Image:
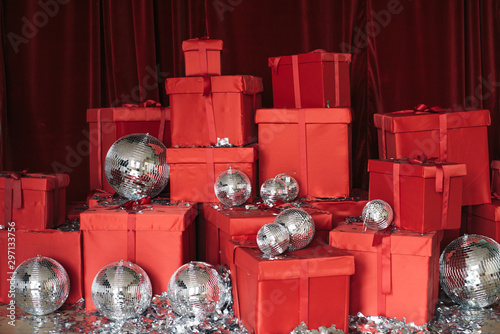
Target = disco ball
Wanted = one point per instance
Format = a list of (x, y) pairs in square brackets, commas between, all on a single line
[(292, 186), (273, 190), (377, 215), (273, 239), (232, 187), (41, 285), (300, 226), (136, 166), (121, 290), (469, 271), (197, 290)]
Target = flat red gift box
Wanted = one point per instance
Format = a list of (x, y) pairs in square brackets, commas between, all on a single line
[(217, 225), (64, 247), (206, 108), (449, 136), (193, 171), (495, 177), (485, 220), (341, 207), (33, 201), (202, 56), (398, 278), (424, 197), (313, 143), (275, 295), (107, 125), (316, 79), (159, 240)]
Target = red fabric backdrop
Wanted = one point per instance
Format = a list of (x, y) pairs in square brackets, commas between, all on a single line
[(61, 57)]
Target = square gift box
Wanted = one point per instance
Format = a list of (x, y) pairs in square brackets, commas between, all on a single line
[(202, 56), (485, 220)]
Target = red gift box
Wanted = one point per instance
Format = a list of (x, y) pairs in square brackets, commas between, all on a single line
[(341, 209), (33, 201), (202, 56), (276, 295), (64, 247), (449, 136), (107, 125), (316, 79), (159, 239), (193, 171), (495, 177), (397, 274), (315, 143), (217, 225), (485, 220), (206, 108), (424, 196)]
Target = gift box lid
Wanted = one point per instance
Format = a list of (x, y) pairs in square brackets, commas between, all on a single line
[(193, 44), (245, 84), (310, 57), (410, 121), (37, 181), (495, 164), (490, 211), (425, 170), (198, 155), (311, 115), (127, 114)]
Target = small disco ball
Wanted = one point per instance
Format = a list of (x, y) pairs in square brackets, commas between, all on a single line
[(273, 190), (292, 186), (121, 290), (41, 285), (469, 271), (136, 166), (300, 226), (197, 290), (232, 187), (377, 215), (273, 239)]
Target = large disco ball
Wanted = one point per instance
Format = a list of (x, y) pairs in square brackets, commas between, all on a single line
[(121, 290), (136, 166), (469, 271), (377, 215), (41, 285), (197, 290), (300, 226), (273, 190), (292, 186), (232, 187), (273, 239)]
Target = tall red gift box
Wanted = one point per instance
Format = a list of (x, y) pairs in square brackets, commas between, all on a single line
[(107, 125), (160, 238), (313, 143), (206, 108), (276, 295), (424, 196), (193, 171), (485, 220), (495, 177), (217, 225), (202, 56), (33, 201), (64, 247), (449, 136), (311, 80), (397, 276)]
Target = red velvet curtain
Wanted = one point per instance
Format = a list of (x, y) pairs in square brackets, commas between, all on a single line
[(60, 57)]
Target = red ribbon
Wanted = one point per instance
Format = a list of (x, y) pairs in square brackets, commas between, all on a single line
[(13, 193), (202, 47), (145, 104), (303, 151), (296, 81), (132, 207), (424, 108), (209, 109), (382, 241)]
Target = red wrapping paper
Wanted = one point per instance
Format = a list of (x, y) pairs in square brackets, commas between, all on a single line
[(107, 125), (313, 143), (449, 136), (485, 220), (495, 177), (311, 80), (273, 296), (64, 247), (202, 56), (193, 171), (405, 284), (207, 108), (163, 239), (37, 201)]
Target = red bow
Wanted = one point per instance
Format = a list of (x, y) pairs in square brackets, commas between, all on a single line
[(425, 108)]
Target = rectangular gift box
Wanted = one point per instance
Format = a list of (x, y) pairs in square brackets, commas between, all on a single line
[(485, 220), (202, 56), (424, 196), (275, 295), (217, 225), (342, 207), (448, 136), (157, 237), (33, 201), (397, 273), (495, 177), (311, 80), (193, 171), (313, 143), (207, 108)]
